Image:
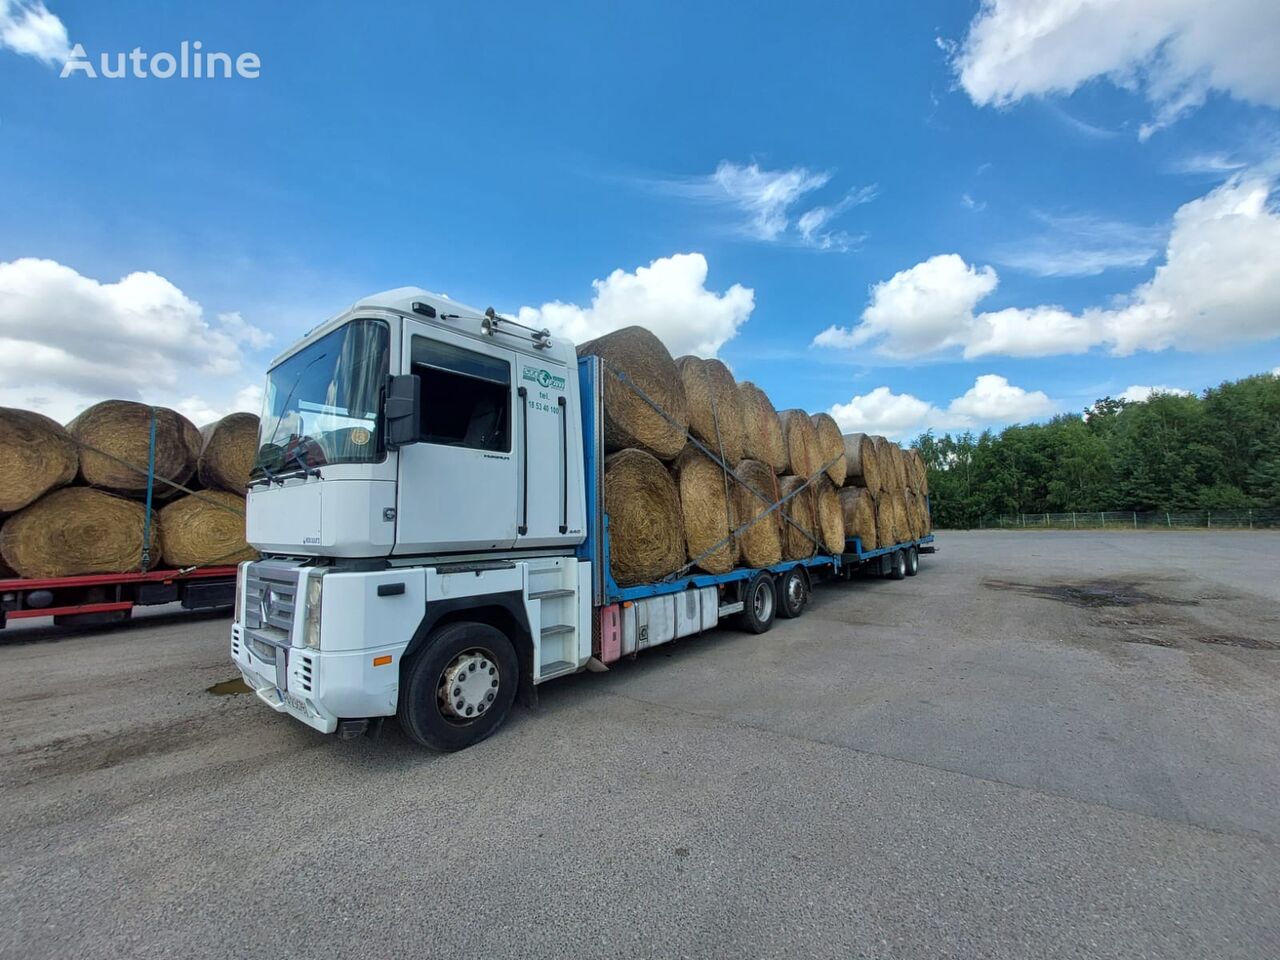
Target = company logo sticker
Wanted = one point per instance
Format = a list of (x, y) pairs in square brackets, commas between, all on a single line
[(543, 378)]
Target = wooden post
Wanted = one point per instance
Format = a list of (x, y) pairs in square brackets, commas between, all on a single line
[(1073, 519), (1135, 519), (1168, 519)]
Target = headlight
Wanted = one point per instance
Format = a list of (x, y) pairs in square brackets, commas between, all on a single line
[(311, 626)]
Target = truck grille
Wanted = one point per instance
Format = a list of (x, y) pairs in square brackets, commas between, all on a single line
[(271, 590)]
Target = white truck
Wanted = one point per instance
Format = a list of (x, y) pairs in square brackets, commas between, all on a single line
[(427, 501)]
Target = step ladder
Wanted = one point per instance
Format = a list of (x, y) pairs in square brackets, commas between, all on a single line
[(553, 593)]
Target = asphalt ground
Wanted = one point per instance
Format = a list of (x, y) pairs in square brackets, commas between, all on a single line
[(1046, 745)]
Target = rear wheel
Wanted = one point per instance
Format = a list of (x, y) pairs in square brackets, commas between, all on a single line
[(898, 565), (793, 593), (913, 562), (761, 604), (459, 687)]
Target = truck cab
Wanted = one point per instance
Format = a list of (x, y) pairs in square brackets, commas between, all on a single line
[(418, 499)]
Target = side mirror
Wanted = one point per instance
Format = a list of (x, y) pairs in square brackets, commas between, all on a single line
[(401, 412)]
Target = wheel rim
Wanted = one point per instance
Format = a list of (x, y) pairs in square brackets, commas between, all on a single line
[(794, 591), (762, 603), (468, 686)]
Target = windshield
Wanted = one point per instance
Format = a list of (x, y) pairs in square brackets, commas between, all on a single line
[(322, 403)]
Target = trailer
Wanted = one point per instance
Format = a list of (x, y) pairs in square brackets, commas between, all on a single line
[(100, 599), (437, 545)]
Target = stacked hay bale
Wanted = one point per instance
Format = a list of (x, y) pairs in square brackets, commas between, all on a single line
[(884, 492), (673, 506), (73, 495)]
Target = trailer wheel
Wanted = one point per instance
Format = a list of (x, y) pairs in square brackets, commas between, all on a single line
[(913, 562), (793, 593), (459, 687), (898, 568), (761, 604)]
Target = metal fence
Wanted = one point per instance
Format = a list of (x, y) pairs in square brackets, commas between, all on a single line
[(1256, 519)]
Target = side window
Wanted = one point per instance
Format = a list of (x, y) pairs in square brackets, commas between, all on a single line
[(466, 396)]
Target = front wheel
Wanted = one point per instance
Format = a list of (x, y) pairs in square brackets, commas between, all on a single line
[(760, 604), (793, 593), (459, 687)]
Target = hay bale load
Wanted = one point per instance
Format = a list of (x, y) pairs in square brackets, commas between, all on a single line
[(762, 430), (917, 475), (886, 521), (761, 543), (646, 525), (121, 430), (715, 409), (802, 443), (800, 510), (205, 530), (830, 447), (901, 519), (76, 531), (229, 447), (830, 514), (629, 421), (899, 466), (859, 508), (706, 505), (862, 467), (36, 455)]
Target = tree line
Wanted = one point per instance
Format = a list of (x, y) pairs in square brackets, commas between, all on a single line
[(1218, 450)]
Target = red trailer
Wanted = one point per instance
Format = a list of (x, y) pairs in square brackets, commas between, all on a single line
[(97, 599)]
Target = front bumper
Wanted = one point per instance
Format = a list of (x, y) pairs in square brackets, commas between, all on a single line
[(319, 688)]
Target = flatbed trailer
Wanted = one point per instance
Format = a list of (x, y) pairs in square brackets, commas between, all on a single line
[(99, 599)]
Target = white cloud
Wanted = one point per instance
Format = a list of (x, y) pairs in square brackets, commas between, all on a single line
[(882, 412), (977, 206), (992, 400), (1082, 246), (918, 310), (669, 297), (1219, 284), (1172, 51), (1138, 393), (771, 203), (67, 340), (30, 29)]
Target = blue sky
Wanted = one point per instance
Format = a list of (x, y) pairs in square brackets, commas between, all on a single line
[(916, 215)]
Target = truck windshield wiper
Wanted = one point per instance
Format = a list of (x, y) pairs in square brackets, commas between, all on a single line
[(267, 477)]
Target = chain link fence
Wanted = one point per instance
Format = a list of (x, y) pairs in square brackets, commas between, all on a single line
[(1267, 518)]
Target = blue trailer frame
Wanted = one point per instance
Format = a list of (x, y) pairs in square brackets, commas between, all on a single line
[(595, 548)]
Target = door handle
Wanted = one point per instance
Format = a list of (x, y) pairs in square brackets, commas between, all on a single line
[(524, 460), (564, 465)]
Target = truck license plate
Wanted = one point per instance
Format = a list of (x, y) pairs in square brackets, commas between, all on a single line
[(293, 702)]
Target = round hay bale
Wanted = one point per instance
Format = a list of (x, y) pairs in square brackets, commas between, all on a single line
[(801, 510), (715, 409), (859, 508), (36, 455), (76, 531), (802, 443), (916, 471), (646, 527), (121, 429), (708, 514), (630, 422), (762, 430), (205, 530), (830, 447), (901, 521), (886, 521), (229, 448), (862, 464), (899, 465), (761, 543), (830, 514)]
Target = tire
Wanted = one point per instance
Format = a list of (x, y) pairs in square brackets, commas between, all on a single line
[(913, 562), (761, 601), (898, 569), (793, 593), (465, 650)]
